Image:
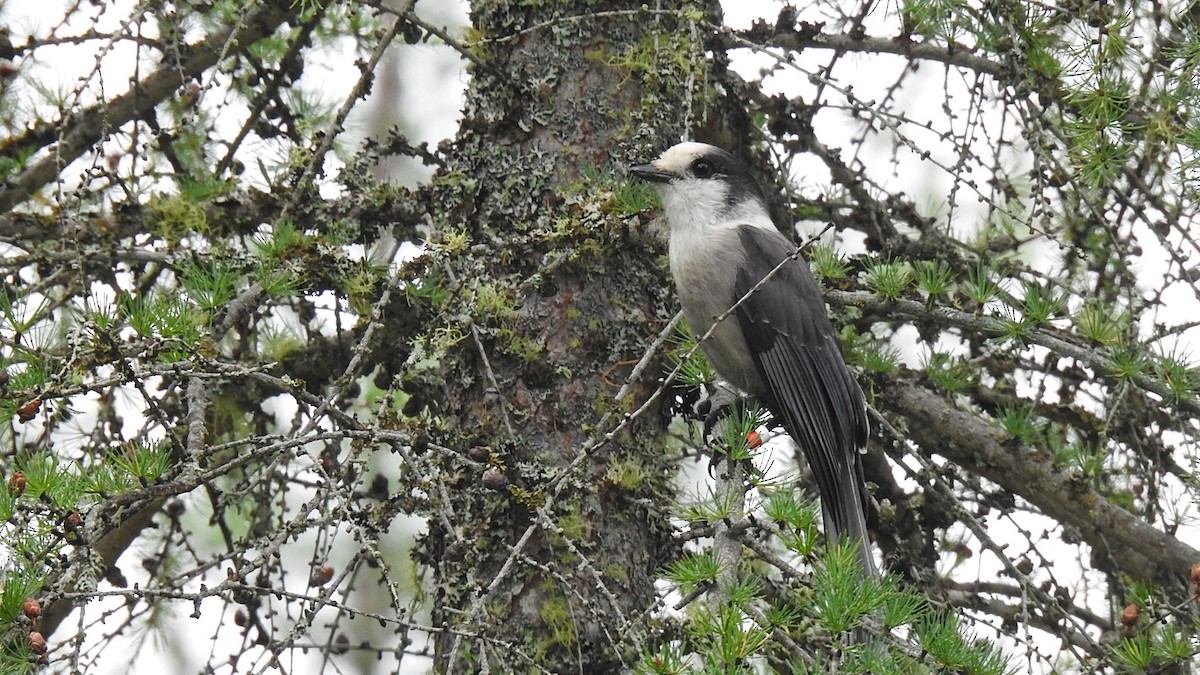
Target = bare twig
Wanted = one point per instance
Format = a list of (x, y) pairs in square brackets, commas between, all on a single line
[(85, 128)]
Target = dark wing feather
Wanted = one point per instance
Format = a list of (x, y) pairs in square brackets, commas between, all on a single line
[(808, 386)]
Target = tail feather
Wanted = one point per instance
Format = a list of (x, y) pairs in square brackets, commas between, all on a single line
[(845, 518)]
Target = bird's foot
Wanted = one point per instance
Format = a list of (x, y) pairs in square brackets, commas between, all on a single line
[(721, 401), (738, 412)]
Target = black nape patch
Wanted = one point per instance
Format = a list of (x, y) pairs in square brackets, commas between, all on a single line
[(729, 169)]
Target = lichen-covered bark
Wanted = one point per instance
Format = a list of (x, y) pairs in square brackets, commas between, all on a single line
[(551, 122)]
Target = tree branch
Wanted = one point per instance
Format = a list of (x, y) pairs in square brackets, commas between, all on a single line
[(1137, 547), (948, 316), (808, 36), (79, 131)]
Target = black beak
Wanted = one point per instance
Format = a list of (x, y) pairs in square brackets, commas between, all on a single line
[(649, 172)]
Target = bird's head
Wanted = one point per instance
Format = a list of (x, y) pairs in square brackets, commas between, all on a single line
[(704, 186)]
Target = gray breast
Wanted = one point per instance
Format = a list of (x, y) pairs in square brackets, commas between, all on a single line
[(704, 267)]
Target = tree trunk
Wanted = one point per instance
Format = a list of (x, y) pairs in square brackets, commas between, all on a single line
[(553, 544)]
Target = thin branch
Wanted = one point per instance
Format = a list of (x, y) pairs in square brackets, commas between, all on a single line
[(81, 130), (304, 183), (989, 325), (1135, 546), (810, 37)]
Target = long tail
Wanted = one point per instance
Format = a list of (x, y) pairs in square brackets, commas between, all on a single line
[(845, 516)]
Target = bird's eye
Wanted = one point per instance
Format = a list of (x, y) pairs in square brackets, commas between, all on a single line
[(702, 168)]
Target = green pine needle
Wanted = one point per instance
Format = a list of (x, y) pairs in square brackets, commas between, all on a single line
[(888, 279), (692, 570), (934, 278), (827, 263), (950, 372), (1099, 322), (840, 594), (696, 370), (1021, 422), (1137, 651), (980, 287)]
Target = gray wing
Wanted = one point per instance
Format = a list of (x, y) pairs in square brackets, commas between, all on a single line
[(810, 389)]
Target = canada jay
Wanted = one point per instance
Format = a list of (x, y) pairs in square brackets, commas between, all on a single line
[(778, 345)]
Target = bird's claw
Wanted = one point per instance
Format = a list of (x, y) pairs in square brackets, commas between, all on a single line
[(722, 400)]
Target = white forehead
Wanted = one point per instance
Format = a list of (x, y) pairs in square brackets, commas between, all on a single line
[(678, 157)]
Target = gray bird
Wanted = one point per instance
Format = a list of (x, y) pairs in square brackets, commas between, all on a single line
[(779, 345)]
